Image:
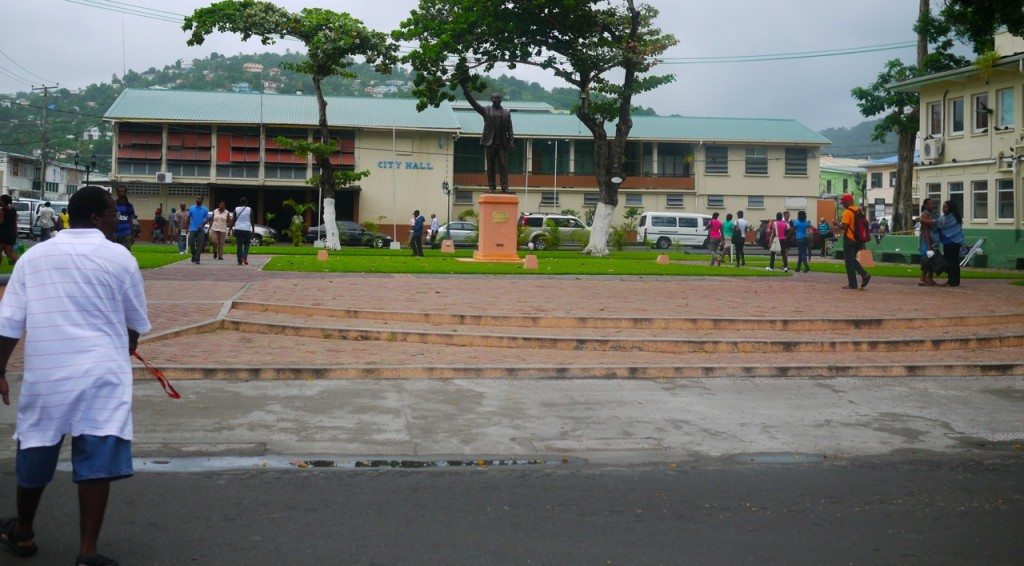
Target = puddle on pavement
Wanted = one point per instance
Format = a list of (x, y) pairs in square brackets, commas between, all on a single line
[(779, 458)]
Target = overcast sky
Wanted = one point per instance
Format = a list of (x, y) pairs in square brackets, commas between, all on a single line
[(77, 43)]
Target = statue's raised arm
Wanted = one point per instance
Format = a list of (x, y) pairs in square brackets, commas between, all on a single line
[(497, 137)]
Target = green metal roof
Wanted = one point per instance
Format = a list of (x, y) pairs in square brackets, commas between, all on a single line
[(277, 109), (957, 75), (400, 113), (659, 128)]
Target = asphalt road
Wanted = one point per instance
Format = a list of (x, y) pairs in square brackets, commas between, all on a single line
[(906, 509)]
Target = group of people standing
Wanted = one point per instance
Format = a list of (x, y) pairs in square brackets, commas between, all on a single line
[(417, 223), (943, 236), (727, 239), (197, 223), (782, 234)]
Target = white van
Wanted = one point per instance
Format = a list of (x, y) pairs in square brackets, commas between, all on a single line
[(662, 229), (56, 205)]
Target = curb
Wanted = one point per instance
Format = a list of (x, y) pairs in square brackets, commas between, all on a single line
[(322, 373)]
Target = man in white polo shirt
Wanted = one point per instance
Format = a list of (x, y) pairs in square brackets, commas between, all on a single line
[(79, 300)]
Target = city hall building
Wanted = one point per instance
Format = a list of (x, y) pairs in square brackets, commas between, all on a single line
[(171, 146)]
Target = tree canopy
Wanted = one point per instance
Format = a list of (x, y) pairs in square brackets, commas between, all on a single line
[(976, 21), (605, 49)]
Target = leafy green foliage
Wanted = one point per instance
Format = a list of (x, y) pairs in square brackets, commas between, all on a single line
[(469, 214), (975, 21), (552, 236), (296, 228), (619, 236)]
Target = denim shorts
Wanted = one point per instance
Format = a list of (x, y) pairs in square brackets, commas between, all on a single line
[(92, 458)]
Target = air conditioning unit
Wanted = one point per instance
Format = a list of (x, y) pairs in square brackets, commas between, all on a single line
[(164, 177), (932, 149)]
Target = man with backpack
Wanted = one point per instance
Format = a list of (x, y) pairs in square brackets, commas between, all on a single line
[(856, 232)]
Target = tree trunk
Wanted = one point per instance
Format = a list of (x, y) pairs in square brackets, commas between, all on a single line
[(326, 172), (902, 195)]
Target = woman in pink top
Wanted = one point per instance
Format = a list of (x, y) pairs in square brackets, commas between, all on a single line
[(715, 239), (777, 230)]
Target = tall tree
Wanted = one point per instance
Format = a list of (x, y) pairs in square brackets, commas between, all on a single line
[(331, 38), (899, 111), (600, 47)]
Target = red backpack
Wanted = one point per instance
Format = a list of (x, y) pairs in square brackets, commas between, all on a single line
[(861, 228)]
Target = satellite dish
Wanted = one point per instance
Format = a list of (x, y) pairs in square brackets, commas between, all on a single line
[(616, 180)]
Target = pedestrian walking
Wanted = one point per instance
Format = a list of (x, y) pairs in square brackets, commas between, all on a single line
[(242, 225), (728, 231), (84, 391), (776, 234), (159, 224), (8, 229), (740, 238), (65, 220), (125, 216), (219, 227), (951, 234), (197, 220), (416, 237), (183, 228), (715, 239), (435, 226), (803, 232), (45, 221), (875, 228), (850, 244)]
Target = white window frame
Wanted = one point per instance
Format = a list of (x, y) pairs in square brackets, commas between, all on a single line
[(1004, 187), (956, 188), (724, 163), (463, 196), (591, 199), (755, 201), (549, 198), (876, 175), (795, 163), (1000, 106), (933, 191), (977, 114), (674, 200), (755, 156), (716, 201), (634, 199), (934, 118), (974, 200), (953, 103)]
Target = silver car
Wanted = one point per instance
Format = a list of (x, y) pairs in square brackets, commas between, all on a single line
[(461, 233)]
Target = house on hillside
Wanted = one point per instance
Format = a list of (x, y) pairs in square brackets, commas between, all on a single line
[(972, 147), (171, 146)]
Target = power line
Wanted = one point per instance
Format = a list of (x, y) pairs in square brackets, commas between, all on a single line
[(11, 74), (131, 12), (23, 68)]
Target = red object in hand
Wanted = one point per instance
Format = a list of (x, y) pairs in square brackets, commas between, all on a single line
[(159, 375)]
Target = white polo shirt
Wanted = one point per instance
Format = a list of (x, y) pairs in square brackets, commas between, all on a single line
[(74, 297)]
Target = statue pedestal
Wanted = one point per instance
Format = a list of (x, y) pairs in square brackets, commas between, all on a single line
[(499, 237)]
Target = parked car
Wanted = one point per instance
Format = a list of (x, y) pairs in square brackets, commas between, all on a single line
[(537, 224), (260, 234), (461, 233), (662, 229), (25, 208), (350, 234)]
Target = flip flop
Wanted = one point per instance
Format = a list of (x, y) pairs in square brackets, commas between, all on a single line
[(13, 540)]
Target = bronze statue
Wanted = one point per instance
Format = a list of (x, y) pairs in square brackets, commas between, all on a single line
[(497, 137)]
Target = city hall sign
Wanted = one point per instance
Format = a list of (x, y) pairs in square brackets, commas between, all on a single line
[(418, 165)]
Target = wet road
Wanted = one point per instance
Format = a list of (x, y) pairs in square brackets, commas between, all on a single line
[(907, 509)]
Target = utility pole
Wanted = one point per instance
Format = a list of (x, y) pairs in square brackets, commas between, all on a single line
[(42, 170)]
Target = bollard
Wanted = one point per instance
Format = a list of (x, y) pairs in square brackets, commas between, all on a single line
[(663, 259), (530, 262), (321, 255), (447, 246)]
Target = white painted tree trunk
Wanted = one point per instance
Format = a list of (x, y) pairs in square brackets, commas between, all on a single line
[(333, 243), (598, 245)]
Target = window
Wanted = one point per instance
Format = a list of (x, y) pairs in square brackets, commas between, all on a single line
[(935, 119), (591, 199), (634, 200), (716, 160), (979, 200), (549, 198), (892, 178), (137, 168), (755, 201), (1004, 199), (188, 169), (716, 201), (956, 117), (934, 191), (1005, 109), (956, 195), (71, 189), (757, 161), (469, 156), (663, 221), (639, 159), (876, 180), (673, 160), (828, 186), (846, 185), (674, 200), (796, 161), (285, 171), (981, 112), (463, 196), (687, 222), (583, 154), (239, 171), (52, 187)]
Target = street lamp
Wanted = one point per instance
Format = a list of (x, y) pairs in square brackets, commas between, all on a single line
[(89, 167), (447, 190)]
